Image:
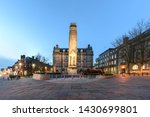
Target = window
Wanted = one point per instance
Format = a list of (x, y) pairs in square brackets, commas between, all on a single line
[(115, 62), (145, 66), (88, 58), (115, 56), (112, 69), (138, 55), (148, 43), (135, 67), (148, 54)]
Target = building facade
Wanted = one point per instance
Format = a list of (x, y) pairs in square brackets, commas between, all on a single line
[(107, 61), (26, 66), (72, 59), (132, 56)]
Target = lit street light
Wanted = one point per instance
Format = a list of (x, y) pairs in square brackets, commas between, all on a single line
[(20, 64), (33, 65), (21, 70), (45, 69), (123, 66), (16, 67)]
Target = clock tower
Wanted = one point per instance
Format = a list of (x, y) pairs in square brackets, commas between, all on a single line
[(72, 54)]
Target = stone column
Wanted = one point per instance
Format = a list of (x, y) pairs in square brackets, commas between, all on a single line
[(72, 56)]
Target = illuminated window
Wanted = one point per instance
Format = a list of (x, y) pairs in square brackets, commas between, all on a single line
[(112, 69), (135, 67), (145, 66), (115, 62)]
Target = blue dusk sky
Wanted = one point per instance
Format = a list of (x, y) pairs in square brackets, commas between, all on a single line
[(36, 26)]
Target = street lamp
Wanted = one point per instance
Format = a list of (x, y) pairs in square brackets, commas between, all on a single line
[(16, 67), (8, 71), (16, 70), (123, 66), (123, 70), (20, 64), (33, 67), (21, 69), (45, 69)]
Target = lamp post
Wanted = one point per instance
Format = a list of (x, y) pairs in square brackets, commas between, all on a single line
[(45, 69), (123, 66), (20, 68), (33, 67), (123, 70), (16, 70)]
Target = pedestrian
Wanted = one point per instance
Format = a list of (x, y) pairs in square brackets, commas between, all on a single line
[(18, 77)]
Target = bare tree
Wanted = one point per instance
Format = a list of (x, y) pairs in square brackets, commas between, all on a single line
[(138, 30), (126, 56), (125, 50), (143, 49), (118, 41), (138, 33), (38, 56), (44, 60), (41, 58), (125, 53)]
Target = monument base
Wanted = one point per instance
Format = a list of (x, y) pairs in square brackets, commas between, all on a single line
[(72, 71)]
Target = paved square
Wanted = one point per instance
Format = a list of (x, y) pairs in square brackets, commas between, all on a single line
[(78, 89)]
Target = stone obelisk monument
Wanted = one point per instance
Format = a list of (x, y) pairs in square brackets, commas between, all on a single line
[(72, 57)]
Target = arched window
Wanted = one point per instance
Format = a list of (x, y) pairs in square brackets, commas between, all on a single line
[(135, 67)]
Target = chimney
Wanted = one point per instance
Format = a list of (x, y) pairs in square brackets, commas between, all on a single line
[(23, 57), (32, 57)]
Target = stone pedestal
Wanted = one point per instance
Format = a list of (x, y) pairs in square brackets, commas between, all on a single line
[(72, 71)]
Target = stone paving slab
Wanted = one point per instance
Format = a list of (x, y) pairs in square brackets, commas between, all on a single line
[(76, 89)]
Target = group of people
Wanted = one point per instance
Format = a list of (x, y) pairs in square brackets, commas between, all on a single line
[(12, 78)]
